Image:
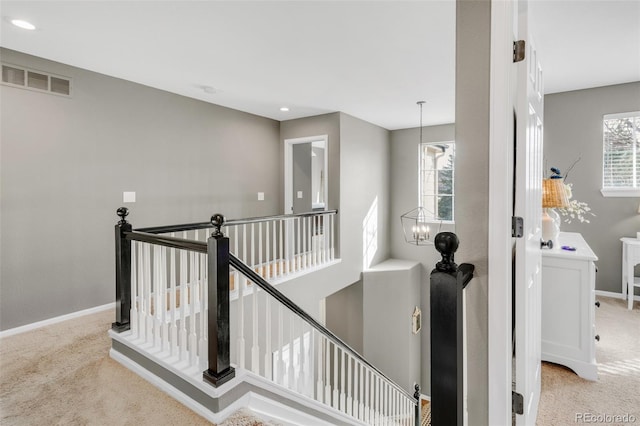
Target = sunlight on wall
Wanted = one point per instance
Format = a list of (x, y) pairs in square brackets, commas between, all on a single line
[(370, 235)]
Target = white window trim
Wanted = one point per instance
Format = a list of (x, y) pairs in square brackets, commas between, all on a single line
[(617, 191), (436, 221), (620, 192)]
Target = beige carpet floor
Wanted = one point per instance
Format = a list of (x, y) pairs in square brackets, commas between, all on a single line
[(565, 396), (62, 375)]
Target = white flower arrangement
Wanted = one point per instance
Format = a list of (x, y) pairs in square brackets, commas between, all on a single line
[(577, 210)]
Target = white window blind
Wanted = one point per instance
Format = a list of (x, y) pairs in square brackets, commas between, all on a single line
[(436, 179), (621, 154)]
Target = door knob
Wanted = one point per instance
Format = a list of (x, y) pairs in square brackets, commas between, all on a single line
[(547, 244)]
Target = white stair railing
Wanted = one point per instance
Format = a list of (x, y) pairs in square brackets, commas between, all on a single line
[(270, 335), (277, 247), (278, 341), (169, 302)]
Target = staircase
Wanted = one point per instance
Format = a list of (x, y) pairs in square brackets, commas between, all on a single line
[(207, 324)]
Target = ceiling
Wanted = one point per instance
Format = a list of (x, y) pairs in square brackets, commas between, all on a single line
[(369, 59)]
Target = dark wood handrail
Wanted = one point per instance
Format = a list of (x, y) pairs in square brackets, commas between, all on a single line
[(232, 222), (246, 270), (179, 243)]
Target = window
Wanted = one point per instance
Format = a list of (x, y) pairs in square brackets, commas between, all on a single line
[(621, 155), (436, 179)]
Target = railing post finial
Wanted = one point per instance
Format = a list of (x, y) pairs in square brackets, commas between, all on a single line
[(416, 393), (123, 212), (446, 243), (217, 220)]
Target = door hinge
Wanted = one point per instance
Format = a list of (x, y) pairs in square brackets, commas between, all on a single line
[(517, 227), (518, 51), (517, 402)]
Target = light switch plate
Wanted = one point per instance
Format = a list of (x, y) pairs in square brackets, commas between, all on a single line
[(299, 194), (129, 197), (260, 196)]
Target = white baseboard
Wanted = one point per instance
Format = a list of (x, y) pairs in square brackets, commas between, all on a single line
[(614, 295), (50, 321)]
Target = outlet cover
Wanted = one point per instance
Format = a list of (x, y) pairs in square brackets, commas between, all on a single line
[(129, 197), (299, 194), (260, 196)]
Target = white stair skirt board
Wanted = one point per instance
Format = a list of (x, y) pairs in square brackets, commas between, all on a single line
[(615, 295), (260, 404), (50, 321)]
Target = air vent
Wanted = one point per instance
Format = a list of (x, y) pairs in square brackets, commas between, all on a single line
[(35, 80)]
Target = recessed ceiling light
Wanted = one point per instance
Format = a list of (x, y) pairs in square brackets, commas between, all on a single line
[(23, 24), (284, 109)]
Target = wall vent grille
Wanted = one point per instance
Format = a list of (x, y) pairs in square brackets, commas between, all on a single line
[(39, 81)]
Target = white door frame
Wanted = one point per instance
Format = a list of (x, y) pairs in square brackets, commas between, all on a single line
[(288, 168), (500, 207)]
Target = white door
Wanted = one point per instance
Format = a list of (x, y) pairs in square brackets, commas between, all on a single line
[(528, 172)]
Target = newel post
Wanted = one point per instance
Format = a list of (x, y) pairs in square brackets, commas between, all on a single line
[(220, 370), (448, 281), (123, 273)]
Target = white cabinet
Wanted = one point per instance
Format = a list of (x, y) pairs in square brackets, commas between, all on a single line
[(568, 306)]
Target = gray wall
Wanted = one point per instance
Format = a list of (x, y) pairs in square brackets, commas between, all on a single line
[(359, 167), (404, 197), (66, 161), (391, 292), (344, 314), (473, 29), (573, 127)]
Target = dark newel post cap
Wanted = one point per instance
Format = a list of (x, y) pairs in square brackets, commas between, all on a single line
[(122, 212), (217, 220), (446, 243), (416, 394)]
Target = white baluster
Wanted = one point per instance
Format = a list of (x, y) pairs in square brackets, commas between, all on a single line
[(245, 257), (302, 375), (240, 288), (163, 294), (343, 396), (204, 337), (336, 384), (316, 238), (378, 399), (275, 271), (133, 312), (310, 241), (303, 252), (291, 373), (353, 388), (173, 330), (333, 239), (260, 250), (255, 348), (313, 240), (327, 377), (281, 270), (184, 292), (367, 396), (268, 373), (362, 394), (253, 249), (289, 245), (319, 385), (281, 366), (148, 295), (193, 338), (298, 254), (267, 246)]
